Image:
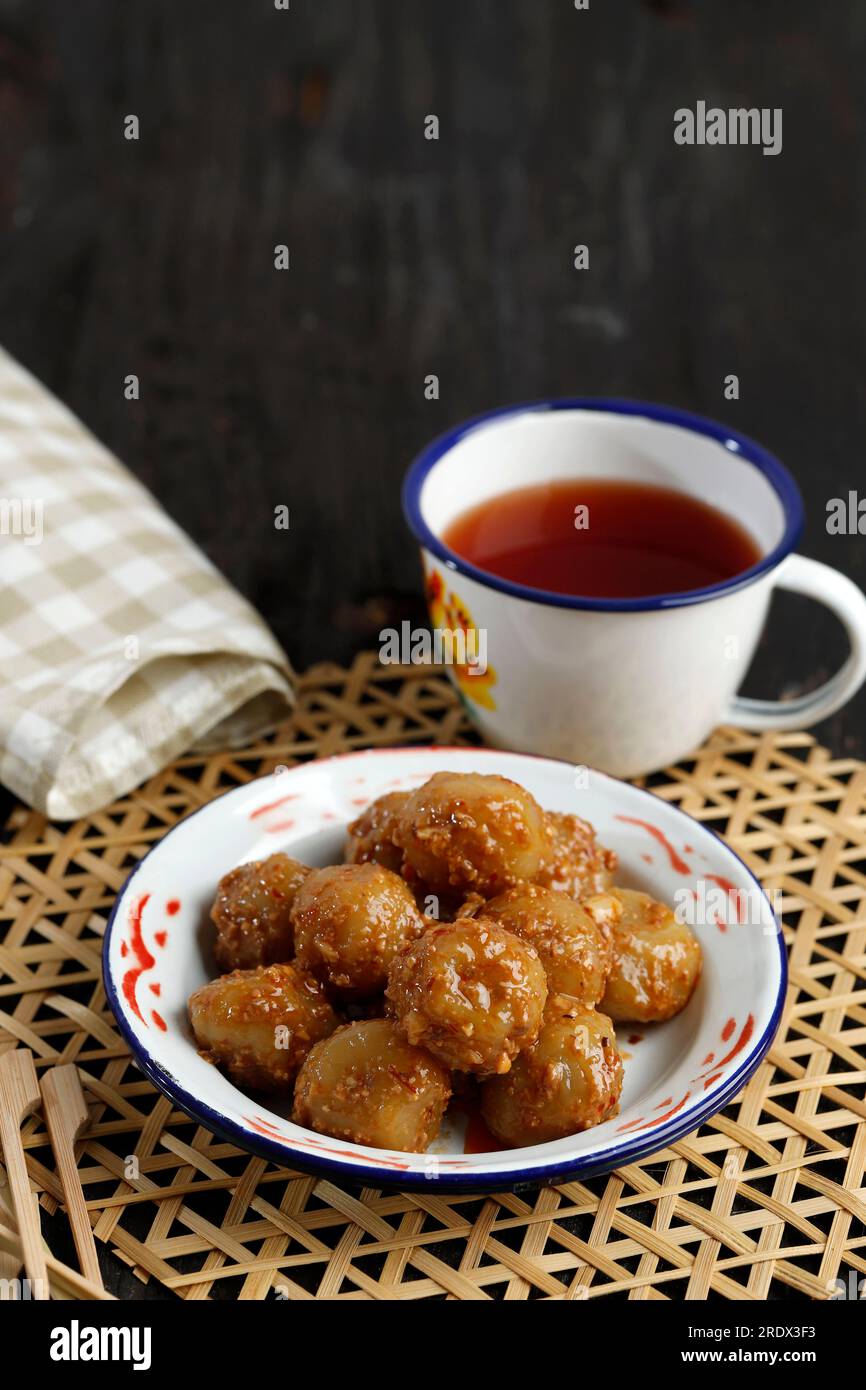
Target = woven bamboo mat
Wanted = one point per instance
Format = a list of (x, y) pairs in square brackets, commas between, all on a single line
[(766, 1200)]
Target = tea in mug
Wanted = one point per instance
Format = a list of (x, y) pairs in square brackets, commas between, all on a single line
[(603, 538)]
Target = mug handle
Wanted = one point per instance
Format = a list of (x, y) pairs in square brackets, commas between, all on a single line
[(848, 602)]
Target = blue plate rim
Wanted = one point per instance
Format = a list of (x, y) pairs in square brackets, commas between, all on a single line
[(282, 1153)]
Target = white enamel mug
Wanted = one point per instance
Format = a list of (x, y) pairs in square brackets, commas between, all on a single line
[(625, 685)]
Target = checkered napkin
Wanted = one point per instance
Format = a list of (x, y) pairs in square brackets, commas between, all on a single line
[(120, 644)]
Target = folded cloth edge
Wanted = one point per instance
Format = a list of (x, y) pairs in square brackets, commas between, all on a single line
[(248, 695), (77, 787)]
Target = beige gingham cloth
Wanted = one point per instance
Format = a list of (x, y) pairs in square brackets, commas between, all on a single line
[(120, 644)]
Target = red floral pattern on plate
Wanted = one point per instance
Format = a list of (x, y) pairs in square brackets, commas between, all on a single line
[(702, 1079), (145, 961), (308, 810)]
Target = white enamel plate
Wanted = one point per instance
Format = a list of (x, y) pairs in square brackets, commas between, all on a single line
[(677, 1074)]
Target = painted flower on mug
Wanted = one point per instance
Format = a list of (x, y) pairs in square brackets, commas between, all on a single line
[(464, 645)]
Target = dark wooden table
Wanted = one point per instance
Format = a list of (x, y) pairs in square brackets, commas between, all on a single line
[(411, 257)]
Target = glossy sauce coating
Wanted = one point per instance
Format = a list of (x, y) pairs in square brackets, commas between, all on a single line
[(371, 836), (350, 921), (259, 1024), (501, 998), (252, 913), (568, 1081), (606, 911), (575, 863), (572, 949), (655, 962), (471, 992), (467, 832), (367, 1084)]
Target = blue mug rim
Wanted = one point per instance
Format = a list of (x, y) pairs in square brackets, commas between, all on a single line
[(766, 463)]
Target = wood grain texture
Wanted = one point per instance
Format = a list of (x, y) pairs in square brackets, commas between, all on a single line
[(66, 1118), (411, 257), (65, 1283), (19, 1097), (766, 1200)]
